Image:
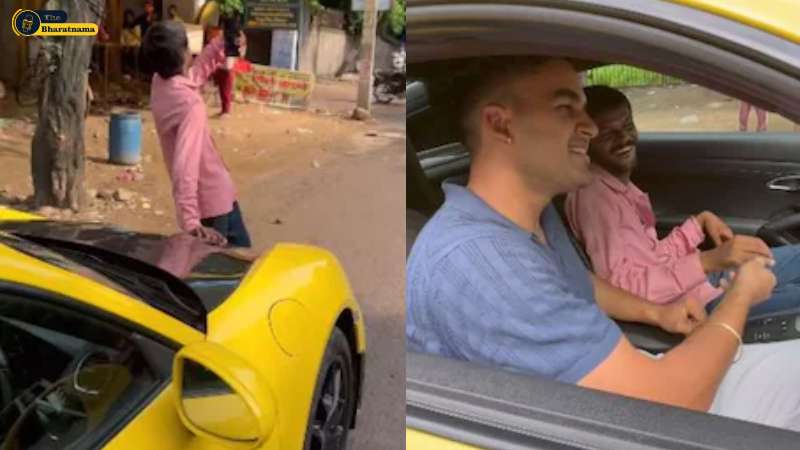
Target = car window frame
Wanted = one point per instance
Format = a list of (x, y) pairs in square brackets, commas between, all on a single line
[(431, 410), (159, 355)]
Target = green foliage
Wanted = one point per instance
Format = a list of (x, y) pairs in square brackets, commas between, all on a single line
[(396, 16), (229, 7), (354, 22), (619, 75), (315, 7), (394, 19)]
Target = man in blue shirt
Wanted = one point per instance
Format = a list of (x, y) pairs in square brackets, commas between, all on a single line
[(493, 278)]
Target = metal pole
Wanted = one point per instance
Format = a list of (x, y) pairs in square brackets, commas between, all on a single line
[(368, 31)]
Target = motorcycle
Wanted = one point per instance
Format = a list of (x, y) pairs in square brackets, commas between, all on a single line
[(391, 84)]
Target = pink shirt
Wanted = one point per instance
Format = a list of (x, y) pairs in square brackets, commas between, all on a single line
[(616, 223), (201, 184)]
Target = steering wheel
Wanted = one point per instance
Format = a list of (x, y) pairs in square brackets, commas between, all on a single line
[(777, 231), (6, 393)]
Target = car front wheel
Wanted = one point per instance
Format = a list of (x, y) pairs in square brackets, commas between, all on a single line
[(334, 397)]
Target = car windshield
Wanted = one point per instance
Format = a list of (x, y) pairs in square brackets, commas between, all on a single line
[(128, 276)]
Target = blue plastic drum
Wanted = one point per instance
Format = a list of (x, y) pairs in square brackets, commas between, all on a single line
[(125, 138)]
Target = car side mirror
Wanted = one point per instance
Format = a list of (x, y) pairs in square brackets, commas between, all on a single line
[(221, 396)]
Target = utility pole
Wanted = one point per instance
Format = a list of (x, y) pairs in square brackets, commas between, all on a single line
[(367, 62)]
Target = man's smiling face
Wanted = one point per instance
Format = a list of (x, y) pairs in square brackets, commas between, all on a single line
[(551, 128), (614, 147)]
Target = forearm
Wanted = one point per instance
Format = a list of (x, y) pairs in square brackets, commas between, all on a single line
[(708, 351), (622, 305)]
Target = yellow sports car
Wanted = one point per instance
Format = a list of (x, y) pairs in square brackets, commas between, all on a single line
[(118, 340)]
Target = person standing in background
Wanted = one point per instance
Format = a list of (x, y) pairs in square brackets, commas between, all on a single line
[(172, 13), (146, 20), (744, 116)]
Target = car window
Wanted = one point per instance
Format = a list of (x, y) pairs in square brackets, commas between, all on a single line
[(67, 380), (662, 103)]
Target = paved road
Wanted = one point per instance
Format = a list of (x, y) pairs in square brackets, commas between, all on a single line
[(354, 205)]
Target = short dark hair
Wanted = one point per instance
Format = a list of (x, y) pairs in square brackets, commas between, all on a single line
[(480, 79), (601, 99), (164, 48)]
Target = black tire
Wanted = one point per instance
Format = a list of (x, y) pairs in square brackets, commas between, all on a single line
[(382, 93), (328, 427)]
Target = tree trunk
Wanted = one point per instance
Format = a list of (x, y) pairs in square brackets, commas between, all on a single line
[(58, 151)]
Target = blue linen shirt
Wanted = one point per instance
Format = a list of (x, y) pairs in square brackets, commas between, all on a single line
[(482, 289)]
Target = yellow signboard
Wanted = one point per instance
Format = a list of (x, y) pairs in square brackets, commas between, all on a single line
[(274, 86)]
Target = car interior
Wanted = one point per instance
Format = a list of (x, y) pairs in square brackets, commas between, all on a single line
[(64, 379), (745, 178)]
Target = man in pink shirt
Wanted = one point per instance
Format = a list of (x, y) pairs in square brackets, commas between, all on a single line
[(205, 197), (615, 221)]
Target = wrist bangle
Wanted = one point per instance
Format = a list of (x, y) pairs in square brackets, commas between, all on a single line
[(735, 334)]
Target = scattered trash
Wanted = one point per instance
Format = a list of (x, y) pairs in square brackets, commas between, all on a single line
[(304, 131), (146, 205), (105, 194), (123, 195), (93, 216), (96, 135), (651, 92), (91, 193), (686, 120), (18, 199), (371, 133), (47, 211), (131, 174), (716, 105), (315, 164), (277, 222), (392, 135), (158, 212)]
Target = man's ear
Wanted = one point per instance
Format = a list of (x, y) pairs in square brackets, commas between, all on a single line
[(495, 122)]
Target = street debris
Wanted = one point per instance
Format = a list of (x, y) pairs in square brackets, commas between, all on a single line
[(304, 131), (131, 174), (690, 119), (315, 164), (277, 222), (47, 211), (123, 195)]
